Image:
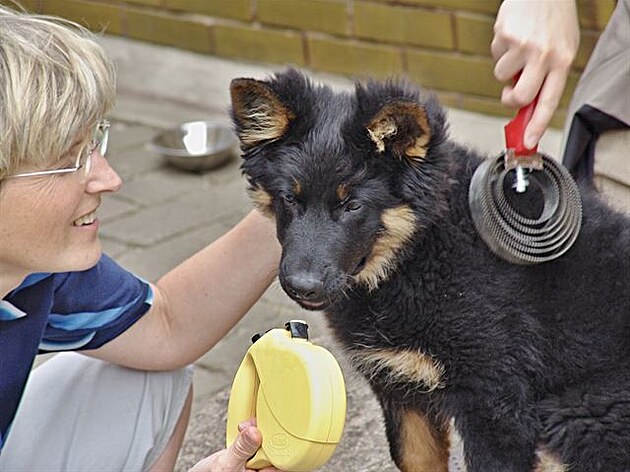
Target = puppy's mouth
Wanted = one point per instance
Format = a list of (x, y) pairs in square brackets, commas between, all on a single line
[(312, 305), (329, 297)]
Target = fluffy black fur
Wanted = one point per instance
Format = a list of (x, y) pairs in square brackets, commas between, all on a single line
[(536, 359)]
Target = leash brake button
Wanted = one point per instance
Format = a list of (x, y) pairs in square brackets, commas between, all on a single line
[(297, 328)]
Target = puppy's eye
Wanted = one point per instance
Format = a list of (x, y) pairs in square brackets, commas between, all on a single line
[(289, 198), (353, 205)]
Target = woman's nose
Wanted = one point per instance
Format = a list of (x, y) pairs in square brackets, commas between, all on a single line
[(102, 177)]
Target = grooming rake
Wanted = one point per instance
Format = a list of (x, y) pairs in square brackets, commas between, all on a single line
[(525, 205)]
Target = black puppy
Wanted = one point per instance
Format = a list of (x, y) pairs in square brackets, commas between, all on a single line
[(529, 366)]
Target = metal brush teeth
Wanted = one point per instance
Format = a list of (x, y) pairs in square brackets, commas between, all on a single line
[(516, 237)]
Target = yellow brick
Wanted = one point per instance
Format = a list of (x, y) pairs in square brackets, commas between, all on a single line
[(328, 16), (594, 14), (487, 106), (587, 44), (447, 99), (153, 3), (353, 58), (569, 88), (474, 33), (558, 119), (489, 7), (494, 107), (402, 25), (168, 30), (94, 15), (233, 9), (259, 44), (31, 6), (454, 72)]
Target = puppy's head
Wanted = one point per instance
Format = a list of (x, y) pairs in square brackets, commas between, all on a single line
[(350, 177)]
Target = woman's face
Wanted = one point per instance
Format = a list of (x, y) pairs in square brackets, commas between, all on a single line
[(48, 223)]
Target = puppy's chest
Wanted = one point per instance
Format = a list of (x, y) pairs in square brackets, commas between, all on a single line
[(393, 341)]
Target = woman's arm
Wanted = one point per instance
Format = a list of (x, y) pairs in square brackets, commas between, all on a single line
[(200, 300)]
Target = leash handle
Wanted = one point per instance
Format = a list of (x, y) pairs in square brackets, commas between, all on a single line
[(515, 129)]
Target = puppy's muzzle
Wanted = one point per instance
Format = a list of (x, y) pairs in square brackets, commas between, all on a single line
[(305, 288)]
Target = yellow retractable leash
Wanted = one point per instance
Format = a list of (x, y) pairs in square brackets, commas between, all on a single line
[(296, 391)]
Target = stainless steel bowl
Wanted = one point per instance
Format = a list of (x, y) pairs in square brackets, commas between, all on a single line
[(196, 145)]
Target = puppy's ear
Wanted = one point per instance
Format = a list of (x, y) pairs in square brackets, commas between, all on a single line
[(258, 113), (401, 127)]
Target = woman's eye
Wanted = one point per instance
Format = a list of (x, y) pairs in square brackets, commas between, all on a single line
[(353, 205)]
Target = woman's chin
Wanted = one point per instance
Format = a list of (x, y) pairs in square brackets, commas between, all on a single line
[(86, 259)]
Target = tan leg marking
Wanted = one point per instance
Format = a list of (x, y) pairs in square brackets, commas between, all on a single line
[(423, 450)]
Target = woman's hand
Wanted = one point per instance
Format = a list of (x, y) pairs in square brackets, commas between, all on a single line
[(540, 39), (233, 459)]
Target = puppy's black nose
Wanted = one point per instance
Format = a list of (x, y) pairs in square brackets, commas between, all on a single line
[(304, 286)]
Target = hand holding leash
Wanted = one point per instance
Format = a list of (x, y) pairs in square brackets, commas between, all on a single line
[(233, 459)]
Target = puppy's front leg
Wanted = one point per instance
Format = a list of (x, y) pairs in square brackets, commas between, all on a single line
[(415, 443), (498, 440)]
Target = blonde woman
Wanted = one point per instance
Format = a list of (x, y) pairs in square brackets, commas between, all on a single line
[(123, 402)]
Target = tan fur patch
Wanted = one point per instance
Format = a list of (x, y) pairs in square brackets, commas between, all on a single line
[(262, 201), (297, 187), (342, 192), (261, 114), (381, 128), (402, 366), (548, 462), (388, 123), (419, 147), (422, 447), (399, 224)]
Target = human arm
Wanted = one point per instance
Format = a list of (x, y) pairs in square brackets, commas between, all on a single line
[(233, 459), (540, 39), (200, 300)]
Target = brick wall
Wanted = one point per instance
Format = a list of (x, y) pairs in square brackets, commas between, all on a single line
[(442, 44)]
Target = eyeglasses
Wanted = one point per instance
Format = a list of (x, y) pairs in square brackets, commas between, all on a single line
[(100, 138)]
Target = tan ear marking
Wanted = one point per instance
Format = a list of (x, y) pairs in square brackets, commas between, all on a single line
[(403, 124), (380, 129), (261, 115)]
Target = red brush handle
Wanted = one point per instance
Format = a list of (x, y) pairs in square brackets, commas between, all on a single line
[(515, 129)]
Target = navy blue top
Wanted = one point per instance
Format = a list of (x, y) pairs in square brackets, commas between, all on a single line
[(63, 312)]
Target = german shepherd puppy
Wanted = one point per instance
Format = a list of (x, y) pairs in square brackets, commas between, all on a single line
[(529, 366)]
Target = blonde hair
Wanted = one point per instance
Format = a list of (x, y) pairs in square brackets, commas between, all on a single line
[(55, 83)]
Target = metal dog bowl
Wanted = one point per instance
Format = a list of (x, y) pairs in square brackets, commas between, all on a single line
[(196, 145)]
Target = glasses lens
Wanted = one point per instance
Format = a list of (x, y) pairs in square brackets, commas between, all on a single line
[(101, 136), (87, 162)]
